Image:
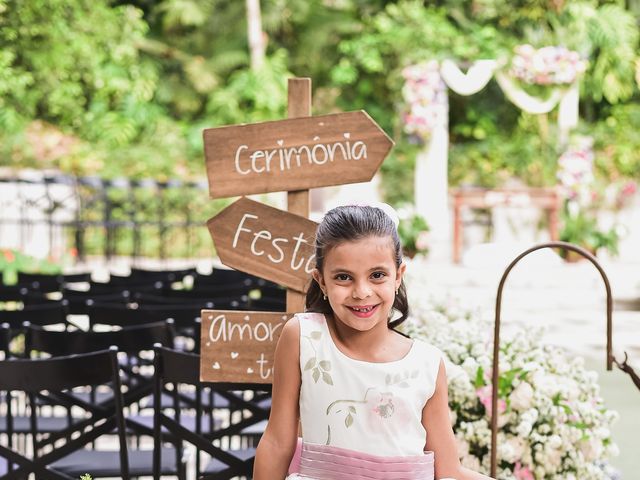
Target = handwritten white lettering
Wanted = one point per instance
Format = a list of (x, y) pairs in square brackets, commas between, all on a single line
[(264, 374), (223, 330), (264, 242), (280, 158)]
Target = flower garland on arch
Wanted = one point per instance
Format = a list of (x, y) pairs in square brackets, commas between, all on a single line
[(425, 95), (424, 91)]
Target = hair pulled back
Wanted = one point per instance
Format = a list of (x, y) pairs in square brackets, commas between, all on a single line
[(351, 223)]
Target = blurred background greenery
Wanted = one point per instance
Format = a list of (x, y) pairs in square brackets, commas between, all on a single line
[(124, 88)]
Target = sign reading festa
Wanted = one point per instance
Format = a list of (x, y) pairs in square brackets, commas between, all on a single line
[(265, 242), (294, 154), (239, 346)]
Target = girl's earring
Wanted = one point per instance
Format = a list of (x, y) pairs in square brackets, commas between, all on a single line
[(324, 295), (397, 290)]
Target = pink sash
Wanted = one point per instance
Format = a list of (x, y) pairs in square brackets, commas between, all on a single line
[(333, 463)]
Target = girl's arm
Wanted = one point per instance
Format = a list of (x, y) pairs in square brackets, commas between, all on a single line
[(440, 438), (278, 443)]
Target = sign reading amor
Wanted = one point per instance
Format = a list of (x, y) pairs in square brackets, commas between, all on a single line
[(265, 242), (293, 154), (239, 346)]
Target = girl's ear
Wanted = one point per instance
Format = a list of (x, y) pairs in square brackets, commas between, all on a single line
[(400, 274), (317, 276)]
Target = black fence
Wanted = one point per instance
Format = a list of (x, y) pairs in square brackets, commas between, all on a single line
[(106, 217)]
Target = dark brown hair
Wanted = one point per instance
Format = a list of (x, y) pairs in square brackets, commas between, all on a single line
[(347, 224)]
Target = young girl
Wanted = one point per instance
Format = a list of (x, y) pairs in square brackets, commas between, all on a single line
[(371, 402)]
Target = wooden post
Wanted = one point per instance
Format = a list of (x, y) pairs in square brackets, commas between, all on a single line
[(299, 105)]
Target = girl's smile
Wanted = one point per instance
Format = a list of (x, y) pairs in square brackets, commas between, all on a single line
[(364, 311)]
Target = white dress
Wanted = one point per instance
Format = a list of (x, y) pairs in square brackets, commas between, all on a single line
[(371, 408)]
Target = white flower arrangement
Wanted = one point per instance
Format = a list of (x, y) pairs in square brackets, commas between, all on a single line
[(547, 65), (552, 422)]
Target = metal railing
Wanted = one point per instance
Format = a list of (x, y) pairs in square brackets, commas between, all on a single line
[(57, 213)]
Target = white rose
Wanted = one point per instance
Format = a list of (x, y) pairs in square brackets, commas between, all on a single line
[(519, 447), (521, 396), (591, 448), (524, 428)]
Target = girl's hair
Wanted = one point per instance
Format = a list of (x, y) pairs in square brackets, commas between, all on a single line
[(348, 224)]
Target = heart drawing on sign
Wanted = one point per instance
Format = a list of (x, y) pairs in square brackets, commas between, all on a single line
[(216, 366), (234, 355), (249, 370)]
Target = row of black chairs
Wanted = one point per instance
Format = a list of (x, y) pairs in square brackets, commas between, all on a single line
[(139, 306), (184, 411)]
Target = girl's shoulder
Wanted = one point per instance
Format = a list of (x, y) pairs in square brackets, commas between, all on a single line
[(430, 357), (428, 349), (309, 321)]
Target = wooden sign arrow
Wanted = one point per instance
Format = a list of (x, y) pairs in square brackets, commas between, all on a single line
[(294, 154), (266, 242), (239, 346)]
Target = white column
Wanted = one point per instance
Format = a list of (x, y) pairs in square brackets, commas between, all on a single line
[(431, 185)]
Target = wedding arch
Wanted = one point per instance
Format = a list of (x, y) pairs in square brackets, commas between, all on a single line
[(427, 115)]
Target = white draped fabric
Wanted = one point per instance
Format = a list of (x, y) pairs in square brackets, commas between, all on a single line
[(523, 100), (431, 179), (473, 81)]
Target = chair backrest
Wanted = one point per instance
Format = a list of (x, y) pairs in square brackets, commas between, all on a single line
[(47, 282), (5, 339), (182, 369), (53, 378), (113, 314), (162, 275), (48, 313), (221, 276), (130, 340)]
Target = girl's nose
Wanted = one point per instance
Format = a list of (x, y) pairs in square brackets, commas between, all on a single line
[(361, 290)]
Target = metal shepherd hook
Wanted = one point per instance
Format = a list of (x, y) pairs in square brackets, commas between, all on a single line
[(610, 359)]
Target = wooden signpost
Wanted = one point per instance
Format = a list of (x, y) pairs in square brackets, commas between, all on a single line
[(264, 241), (289, 155)]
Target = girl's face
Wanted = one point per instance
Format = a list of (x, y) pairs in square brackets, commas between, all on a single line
[(360, 279)]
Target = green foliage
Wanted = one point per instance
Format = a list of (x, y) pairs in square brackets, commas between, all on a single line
[(413, 230), (253, 96), (617, 144), (128, 86), (71, 75), (583, 230), (608, 37), (13, 261)]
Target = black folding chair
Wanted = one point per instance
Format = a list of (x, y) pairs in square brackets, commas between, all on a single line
[(221, 276), (79, 301), (180, 370), (169, 276), (54, 378), (5, 339), (45, 282), (132, 342)]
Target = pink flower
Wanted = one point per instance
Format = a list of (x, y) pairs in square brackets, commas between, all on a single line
[(9, 256), (484, 395), (629, 188), (522, 473)]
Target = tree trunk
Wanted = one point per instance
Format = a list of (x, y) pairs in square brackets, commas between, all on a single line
[(254, 32)]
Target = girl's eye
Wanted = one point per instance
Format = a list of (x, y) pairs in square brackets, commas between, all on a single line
[(342, 277), (378, 275)]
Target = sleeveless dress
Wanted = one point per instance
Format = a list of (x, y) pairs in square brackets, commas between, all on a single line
[(362, 420)]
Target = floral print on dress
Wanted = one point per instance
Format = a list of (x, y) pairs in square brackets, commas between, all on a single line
[(319, 368)]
